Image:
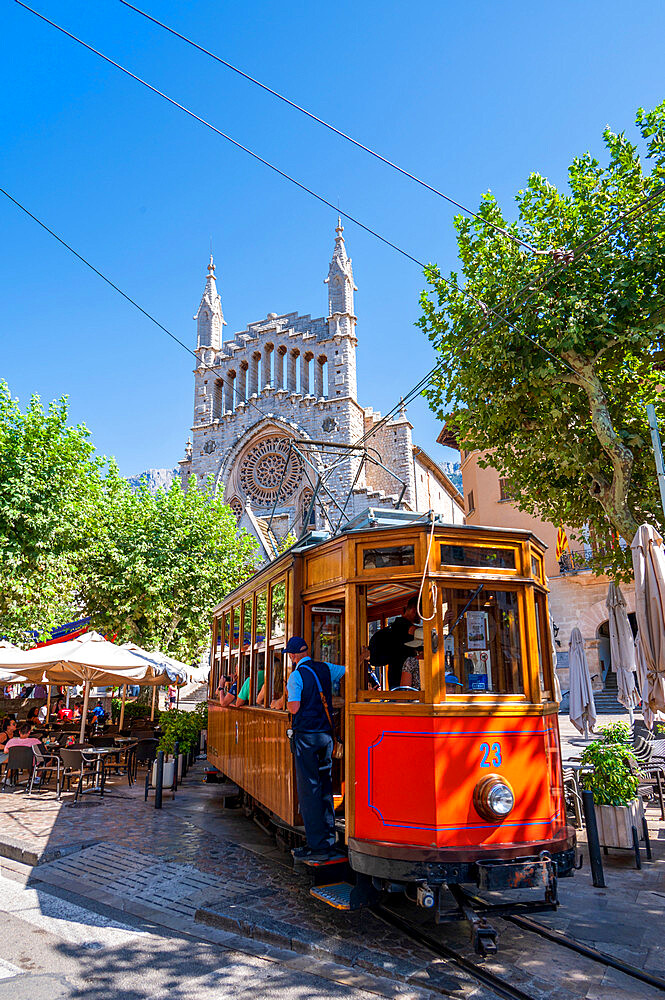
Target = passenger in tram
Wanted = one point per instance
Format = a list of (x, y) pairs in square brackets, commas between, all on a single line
[(453, 684), (402, 630), (227, 689), (309, 692), (371, 681), (243, 694)]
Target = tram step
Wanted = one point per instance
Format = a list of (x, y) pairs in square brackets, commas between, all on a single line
[(337, 859), (337, 894)]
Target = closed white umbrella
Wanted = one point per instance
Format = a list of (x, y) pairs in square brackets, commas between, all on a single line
[(649, 570), (582, 710), (643, 682), (622, 648)]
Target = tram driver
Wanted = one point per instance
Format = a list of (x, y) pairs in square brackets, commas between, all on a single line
[(309, 700)]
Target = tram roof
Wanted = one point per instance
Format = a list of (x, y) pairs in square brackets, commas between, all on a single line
[(371, 519)]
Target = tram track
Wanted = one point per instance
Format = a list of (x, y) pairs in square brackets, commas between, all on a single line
[(486, 977)]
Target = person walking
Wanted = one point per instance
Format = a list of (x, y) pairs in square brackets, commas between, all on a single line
[(309, 700)]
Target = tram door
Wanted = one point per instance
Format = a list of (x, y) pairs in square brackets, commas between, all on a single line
[(326, 642)]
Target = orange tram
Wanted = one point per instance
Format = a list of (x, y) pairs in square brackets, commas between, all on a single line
[(435, 789)]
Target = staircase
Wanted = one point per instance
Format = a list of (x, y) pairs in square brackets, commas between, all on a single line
[(606, 701)]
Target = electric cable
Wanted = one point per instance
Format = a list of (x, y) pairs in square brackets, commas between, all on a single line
[(321, 121), (267, 163), (200, 364)]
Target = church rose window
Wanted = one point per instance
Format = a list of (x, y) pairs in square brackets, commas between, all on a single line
[(265, 468)]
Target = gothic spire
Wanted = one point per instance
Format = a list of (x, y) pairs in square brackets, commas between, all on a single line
[(340, 279), (209, 317)]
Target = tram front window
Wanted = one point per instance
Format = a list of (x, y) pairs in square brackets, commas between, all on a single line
[(481, 640)]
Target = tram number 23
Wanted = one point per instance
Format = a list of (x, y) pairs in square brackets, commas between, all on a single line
[(490, 755)]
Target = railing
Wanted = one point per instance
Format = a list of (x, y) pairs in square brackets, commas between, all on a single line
[(573, 562)]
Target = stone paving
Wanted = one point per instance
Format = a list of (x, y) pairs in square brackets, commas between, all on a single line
[(231, 868)]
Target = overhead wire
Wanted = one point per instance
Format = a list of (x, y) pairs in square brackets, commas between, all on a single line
[(464, 291), (128, 298), (267, 163), (332, 128)]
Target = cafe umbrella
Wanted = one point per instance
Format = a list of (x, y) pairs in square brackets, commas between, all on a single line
[(622, 648), (649, 569), (164, 670), (582, 709), (89, 659)]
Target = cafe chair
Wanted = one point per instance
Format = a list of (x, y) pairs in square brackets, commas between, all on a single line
[(44, 766), (19, 759)]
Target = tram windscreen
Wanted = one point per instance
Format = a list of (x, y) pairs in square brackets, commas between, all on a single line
[(481, 641)]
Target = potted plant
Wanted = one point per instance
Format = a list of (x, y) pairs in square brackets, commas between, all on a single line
[(614, 785)]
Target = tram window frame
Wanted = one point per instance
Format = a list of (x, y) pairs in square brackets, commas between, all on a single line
[(225, 651), (389, 544), (469, 546), (260, 648), (544, 648), (496, 690), (275, 645), (391, 610), (215, 660), (537, 566), (243, 652)]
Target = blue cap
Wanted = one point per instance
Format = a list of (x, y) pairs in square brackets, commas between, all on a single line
[(451, 679), (296, 645)]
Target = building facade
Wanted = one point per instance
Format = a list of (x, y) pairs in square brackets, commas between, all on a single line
[(276, 408), (577, 596)]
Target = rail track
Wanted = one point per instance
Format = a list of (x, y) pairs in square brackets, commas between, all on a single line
[(502, 987)]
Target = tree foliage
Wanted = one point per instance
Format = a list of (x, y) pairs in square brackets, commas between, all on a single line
[(557, 395), (159, 563), (49, 488)]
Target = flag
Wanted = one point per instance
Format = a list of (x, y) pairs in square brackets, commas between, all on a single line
[(561, 543)]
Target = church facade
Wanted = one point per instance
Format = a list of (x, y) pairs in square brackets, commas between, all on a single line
[(277, 422)]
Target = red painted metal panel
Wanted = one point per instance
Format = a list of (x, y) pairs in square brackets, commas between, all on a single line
[(415, 778)]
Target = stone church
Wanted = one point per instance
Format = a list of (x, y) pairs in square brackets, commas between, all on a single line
[(276, 409)]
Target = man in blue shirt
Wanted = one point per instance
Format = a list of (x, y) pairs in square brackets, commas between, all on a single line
[(309, 683)]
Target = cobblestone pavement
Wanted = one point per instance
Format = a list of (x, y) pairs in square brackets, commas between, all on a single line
[(238, 872)]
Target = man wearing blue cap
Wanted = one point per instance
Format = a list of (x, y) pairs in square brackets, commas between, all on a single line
[(309, 700)]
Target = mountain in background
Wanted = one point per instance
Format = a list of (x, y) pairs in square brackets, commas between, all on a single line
[(453, 471), (156, 479)]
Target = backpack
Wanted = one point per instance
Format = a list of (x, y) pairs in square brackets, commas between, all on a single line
[(382, 646)]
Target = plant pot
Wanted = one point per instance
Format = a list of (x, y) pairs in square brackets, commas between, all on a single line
[(615, 823), (167, 779)]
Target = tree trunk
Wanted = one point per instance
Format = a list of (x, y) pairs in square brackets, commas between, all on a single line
[(611, 495)]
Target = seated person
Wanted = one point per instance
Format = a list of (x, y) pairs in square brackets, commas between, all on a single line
[(243, 694), (24, 739), (33, 716), (411, 670), (453, 684), (78, 710), (8, 731), (65, 713), (98, 713)]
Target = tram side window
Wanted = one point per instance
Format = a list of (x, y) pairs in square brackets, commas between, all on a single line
[(260, 642), (544, 638), (276, 692), (278, 611), (481, 640)]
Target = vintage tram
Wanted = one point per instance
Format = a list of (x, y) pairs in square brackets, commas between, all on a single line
[(436, 788)]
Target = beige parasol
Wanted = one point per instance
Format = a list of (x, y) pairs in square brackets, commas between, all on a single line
[(582, 710), (622, 648), (649, 570), (89, 658)]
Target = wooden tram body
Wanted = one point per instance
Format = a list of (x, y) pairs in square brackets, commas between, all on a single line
[(411, 787)]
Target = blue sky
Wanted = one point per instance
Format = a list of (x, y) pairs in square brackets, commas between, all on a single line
[(470, 96)]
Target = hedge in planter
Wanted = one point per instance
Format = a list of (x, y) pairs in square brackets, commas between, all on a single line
[(614, 786)]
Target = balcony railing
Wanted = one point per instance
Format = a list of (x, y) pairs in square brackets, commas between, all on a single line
[(574, 562)]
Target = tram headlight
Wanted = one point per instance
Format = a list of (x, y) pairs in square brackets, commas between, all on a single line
[(493, 798)]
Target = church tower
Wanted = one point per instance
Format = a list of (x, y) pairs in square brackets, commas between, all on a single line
[(210, 318), (342, 318)]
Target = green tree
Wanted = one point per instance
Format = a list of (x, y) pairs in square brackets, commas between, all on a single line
[(49, 489), (558, 395), (159, 563)]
